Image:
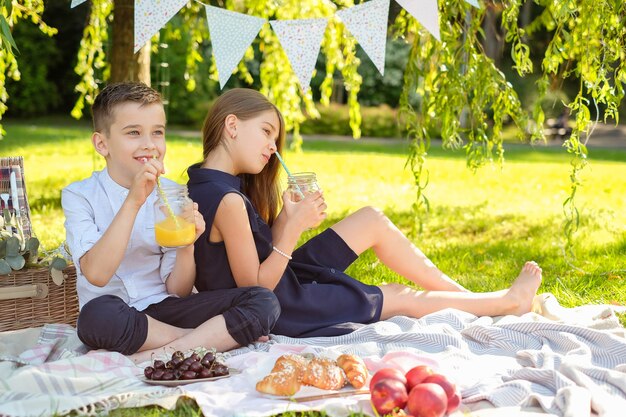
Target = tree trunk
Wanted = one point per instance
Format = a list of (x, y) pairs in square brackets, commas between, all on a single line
[(494, 41), (126, 65)]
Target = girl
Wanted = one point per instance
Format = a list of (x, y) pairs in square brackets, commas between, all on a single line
[(247, 242)]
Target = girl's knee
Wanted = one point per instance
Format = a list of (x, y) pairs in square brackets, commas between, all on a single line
[(374, 215)]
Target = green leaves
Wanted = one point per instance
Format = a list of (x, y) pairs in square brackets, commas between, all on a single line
[(5, 29)]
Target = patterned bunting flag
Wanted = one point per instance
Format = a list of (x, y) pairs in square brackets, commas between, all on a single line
[(77, 2), (231, 34), (151, 16), (301, 39), (367, 22), (426, 12)]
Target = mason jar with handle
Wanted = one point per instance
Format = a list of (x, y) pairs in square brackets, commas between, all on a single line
[(174, 224)]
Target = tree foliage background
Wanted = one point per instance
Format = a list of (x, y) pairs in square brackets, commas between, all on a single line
[(455, 88)]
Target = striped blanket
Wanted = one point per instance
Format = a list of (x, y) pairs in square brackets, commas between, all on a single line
[(573, 366)]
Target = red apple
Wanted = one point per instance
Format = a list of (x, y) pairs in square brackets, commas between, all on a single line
[(453, 403), (387, 373), (388, 394), (416, 375), (448, 386), (427, 400)]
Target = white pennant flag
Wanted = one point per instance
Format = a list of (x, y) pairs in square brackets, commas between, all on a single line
[(77, 2), (367, 22), (426, 12), (231, 34), (301, 39), (473, 3), (151, 16)]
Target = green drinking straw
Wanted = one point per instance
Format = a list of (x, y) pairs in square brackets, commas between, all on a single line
[(289, 174)]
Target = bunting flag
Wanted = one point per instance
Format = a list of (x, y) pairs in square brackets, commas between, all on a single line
[(426, 12), (231, 34), (473, 3), (77, 2), (151, 16), (367, 22), (301, 39)]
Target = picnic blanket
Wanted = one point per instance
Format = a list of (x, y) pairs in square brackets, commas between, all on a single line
[(564, 362)]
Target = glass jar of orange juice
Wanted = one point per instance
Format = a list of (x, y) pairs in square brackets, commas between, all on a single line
[(174, 224)]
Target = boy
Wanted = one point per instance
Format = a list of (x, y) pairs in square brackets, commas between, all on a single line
[(135, 296)]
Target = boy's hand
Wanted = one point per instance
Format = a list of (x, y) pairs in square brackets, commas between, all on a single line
[(144, 181)]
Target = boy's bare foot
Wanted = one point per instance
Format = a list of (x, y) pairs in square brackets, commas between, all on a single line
[(524, 289), (140, 357)]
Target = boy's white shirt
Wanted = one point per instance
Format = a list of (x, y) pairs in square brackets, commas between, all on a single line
[(90, 206)]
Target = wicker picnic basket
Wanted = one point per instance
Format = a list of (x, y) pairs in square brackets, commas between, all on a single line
[(30, 298)]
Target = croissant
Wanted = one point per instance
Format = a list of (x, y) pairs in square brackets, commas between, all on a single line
[(324, 374), (355, 369), (291, 363), (279, 383)]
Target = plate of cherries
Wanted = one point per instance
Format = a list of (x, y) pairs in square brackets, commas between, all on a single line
[(181, 369)]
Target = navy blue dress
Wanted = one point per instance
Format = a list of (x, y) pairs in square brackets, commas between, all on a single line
[(316, 297)]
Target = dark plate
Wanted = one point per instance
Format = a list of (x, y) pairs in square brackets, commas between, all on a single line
[(177, 382)]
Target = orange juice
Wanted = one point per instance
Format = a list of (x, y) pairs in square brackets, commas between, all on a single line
[(174, 231)]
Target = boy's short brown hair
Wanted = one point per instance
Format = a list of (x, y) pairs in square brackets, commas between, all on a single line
[(118, 93)]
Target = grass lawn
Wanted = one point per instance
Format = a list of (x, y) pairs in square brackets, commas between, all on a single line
[(481, 228)]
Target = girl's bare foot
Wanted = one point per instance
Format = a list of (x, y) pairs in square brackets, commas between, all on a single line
[(524, 289)]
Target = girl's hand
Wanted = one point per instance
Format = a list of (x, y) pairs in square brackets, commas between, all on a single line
[(198, 220), (145, 181), (192, 215), (307, 213)]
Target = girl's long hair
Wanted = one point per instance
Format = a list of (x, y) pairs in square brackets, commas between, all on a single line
[(262, 189)]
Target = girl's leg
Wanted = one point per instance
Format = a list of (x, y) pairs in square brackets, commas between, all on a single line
[(401, 300), (370, 228)]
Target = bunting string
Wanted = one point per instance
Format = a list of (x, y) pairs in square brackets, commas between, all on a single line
[(232, 33)]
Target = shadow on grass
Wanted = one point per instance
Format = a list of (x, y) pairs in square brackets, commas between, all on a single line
[(21, 134), (513, 152)]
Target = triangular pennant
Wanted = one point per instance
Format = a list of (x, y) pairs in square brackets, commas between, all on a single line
[(473, 3), (301, 39), (151, 16), (367, 22), (426, 12), (231, 34), (77, 2)]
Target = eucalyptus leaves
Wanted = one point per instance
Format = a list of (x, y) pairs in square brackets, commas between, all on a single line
[(17, 253)]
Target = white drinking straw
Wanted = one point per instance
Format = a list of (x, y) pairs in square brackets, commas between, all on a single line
[(289, 174)]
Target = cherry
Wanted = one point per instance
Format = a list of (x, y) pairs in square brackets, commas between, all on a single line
[(208, 359), (189, 375), (148, 370), (196, 367)]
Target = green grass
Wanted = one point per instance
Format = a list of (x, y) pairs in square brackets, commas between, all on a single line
[(481, 228)]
